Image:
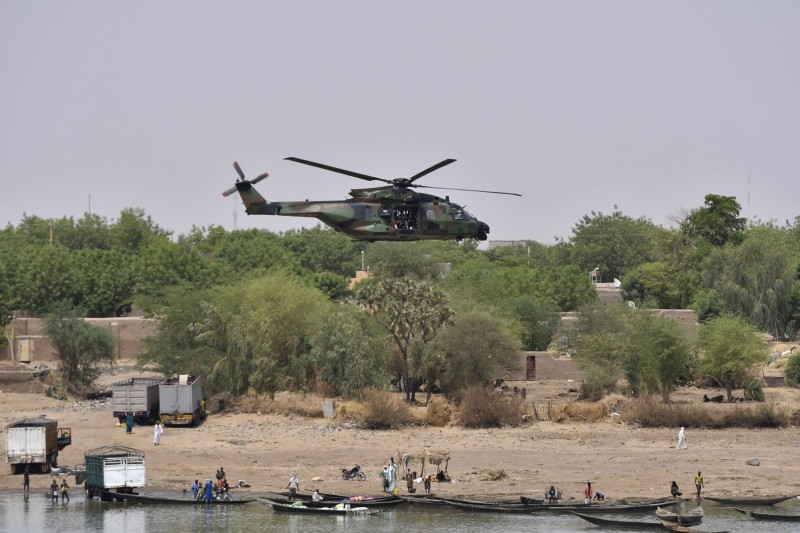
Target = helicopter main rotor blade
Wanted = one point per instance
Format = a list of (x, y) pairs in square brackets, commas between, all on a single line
[(468, 190), (335, 169), (437, 166), (238, 169)]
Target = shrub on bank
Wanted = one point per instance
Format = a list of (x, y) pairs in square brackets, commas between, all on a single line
[(482, 407), (649, 413), (384, 410), (439, 412), (792, 371)]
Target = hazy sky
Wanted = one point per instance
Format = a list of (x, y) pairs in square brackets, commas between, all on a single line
[(578, 106)]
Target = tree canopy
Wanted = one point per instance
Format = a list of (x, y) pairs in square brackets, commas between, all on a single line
[(730, 348)]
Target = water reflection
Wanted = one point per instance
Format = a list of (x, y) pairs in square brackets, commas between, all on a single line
[(37, 513)]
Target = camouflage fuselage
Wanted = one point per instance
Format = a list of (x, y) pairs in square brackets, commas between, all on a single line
[(378, 214)]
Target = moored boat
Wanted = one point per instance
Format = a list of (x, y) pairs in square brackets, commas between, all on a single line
[(619, 524), (165, 500), (339, 509), (676, 528), (590, 508), (371, 504), (748, 500), (688, 518), (769, 516)]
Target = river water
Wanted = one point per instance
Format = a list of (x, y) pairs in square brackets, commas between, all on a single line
[(37, 514)]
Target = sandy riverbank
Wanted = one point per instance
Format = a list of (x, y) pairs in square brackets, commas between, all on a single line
[(263, 450)]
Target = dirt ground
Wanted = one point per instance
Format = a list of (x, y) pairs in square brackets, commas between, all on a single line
[(263, 450)]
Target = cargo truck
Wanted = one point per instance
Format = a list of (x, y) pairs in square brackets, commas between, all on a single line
[(138, 396), (35, 442), (111, 469), (181, 401)]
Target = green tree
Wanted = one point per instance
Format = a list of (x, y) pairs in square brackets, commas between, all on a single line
[(475, 348), (320, 250), (718, 222), (82, 349), (104, 281), (652, 282), (252, 334), (730, 347), (666, 355), (44, 276), (403, 260), (754, 280), (408, 310), (534, 324), (134, 229), (613, 340), (601, 348), (614, 243), (349, 357)]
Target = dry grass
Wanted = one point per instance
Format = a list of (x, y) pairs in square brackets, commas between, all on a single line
[(350, 411), (284, 403), (384, 410), (482, 407), (494, 475), (587, 412), (650, 413), (440, 412)]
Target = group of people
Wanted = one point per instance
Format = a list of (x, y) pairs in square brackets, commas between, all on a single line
[(699, 484), (209, 490), (63, 490), (158, 428)]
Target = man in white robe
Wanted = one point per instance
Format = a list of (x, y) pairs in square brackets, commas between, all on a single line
[(682, 440), (158, 429)]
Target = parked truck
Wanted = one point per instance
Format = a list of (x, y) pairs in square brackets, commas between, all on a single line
[(111, 469), (138, 396), (35, 442), (181, 401)]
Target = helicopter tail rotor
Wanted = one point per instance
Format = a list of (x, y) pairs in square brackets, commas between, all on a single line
[(243, 179)]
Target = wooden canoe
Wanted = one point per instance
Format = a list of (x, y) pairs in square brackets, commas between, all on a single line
[(748, 500), (336, 498), (591, 508), (619, 524), (677, 528), (163, 500), (302, 509), (372, 504), (689, 518), (770, 516)]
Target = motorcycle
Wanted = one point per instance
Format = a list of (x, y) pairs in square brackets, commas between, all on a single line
[(353, 473)]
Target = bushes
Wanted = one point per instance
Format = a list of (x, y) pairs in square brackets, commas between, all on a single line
[(285, 403), (753, 390), (648, 413), (482, 407), (439, 413), (384, 410), (792, 371)]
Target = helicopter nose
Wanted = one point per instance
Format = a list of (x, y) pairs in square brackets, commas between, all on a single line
[(483, 229)]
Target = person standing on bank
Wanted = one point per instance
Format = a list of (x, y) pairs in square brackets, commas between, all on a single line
[(682, 440), (588, 493), (26, 480), (158, 429), (64, 491), (698, 483), (54, 491)]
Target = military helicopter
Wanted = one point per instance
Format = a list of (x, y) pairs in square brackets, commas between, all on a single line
[(393, 212)]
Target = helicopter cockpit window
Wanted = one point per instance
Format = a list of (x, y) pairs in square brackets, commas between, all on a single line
[(458, 213)]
